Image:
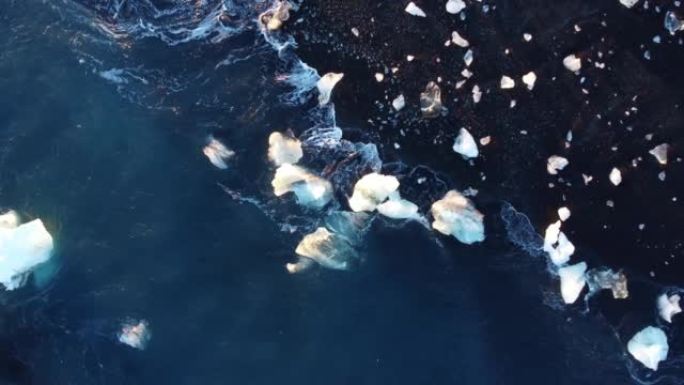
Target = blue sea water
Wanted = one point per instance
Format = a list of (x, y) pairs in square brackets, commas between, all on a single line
[(101, 136)]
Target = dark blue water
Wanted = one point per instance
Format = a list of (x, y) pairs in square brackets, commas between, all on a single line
[(144, 230)]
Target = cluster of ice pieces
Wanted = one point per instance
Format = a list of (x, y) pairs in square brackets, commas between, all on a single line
[(23, 247)]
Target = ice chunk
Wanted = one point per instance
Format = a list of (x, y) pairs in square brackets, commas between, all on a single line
[(572, 63), (135, 334), (399, 102), (9, 220), (673, 23), (398, 209), (572, 281), (629, 3), (371, 190), (217, 153), (529, 79), (311, 190), (413, 9), (326, 248), (563, 213), (455, 6), (608, 279), (477, 94), (668, 306), (459, 40), (22, 249), (649, 346), (556, 163), (507, 83), (274, 18), (615, 176), (284, 149), (325, 86), (456, 215), (557, 245), (465, 144), (660, 153), (431, 101)]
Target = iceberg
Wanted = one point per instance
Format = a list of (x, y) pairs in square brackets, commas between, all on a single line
[(564, 213), (557, 245), (455, 6), (311, 190), (371, 190), (399, 102), (572, 63), (22, 248), (629, 3), (668, 306), (284, 149), (413, 9), (660, 153), (465, 144), (399, 209), (457, 39), (556, 163), (217, 153), (572, 280), (325, 86), (328, 249), (456, 215), (135, 334), (598, 279), (649, 346)]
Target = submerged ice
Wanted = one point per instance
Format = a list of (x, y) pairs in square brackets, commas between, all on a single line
[(23, 247), (324, 247)]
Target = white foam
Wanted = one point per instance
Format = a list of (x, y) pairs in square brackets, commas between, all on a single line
[(284, 149), (325, 86), (660, 153), (465, 144), (22, 248), (572, 280), (615, 176), (649, 346), (668, 306), (456, 215), (371, 190), (399, 102), (530, 79)]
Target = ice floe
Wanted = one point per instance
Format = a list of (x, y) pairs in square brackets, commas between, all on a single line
[(135, 334), (457, 39), (311, 190), (649, 346), (668, 306), (325, 86), (371, 190), (465, 144), (615, 176), (556, 163), (217, 153), (572, 281), (431, 101), (507, 83), (23, 247), (456, 215), (604, 278), (557, 245), (398, 208), (455, 6), (572, 63), (399, 102), (563, 213), (284, 149), (324, 247), (530, 79), (660, 153), (413, 9)]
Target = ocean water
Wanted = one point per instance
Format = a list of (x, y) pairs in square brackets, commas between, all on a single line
[(105, 108)]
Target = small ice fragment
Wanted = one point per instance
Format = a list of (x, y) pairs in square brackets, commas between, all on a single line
[(355, 31), (398, 209), (605, 278), (326, 248), (660, 153), (668, 306), (557, 245), (379, 77), (135, 334), (527, 37), (217, 153), (456, 215), (431, 101), (22, 248), (459, 40), (615, 176), (563, 213), (465, 144), (649, 346), (284, 149), (399, 102), (556, 163), (455, 6), (507, 83), (529, 79), (485, 140), (572, 63), (629, 3), (325, 86), (311, 190), (572, 281), (413, 9), (371, 190), (477, 94)]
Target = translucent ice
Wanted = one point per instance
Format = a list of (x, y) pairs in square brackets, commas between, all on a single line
[(135, 334), (572, 281), (217, 153), (605, 278), (556, 163), (371, 190), (284, 149), (649, 346), (557, 245), (673, 23), (325, 248), (22, 248), (465, 144), (572, 63), (325, 86), (431, 101), (456, 215), (398, 209)]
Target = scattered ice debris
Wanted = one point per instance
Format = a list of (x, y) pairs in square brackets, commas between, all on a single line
[(556, 163), (507, 83), (398, 208), (431, 101), (326, 248), (557, 245), (477, 94), (649, 346), (605, 278), (629, 3), (672, 23), (284, 149), (615, 176), (379, 77), (311, 190), (668, 306), (572, 63), (465, 144), (572, 280), (456, 215), (459, 40), (455, 6), (371, 190), (399, 102), (325, 86), (413, 9), (22, 248), (563, 214), (135, 334), (274, 18), (217, 153), (529, 79), (660, 153)]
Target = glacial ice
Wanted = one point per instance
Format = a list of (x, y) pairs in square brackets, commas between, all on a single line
[(660, 153), (325, 248), (605, 278), (135, 334), (465, 145), (325, 86), (413, 9), (22, 248), (371, 190), (557, 245), (217, 153), (455, 6), (572, 280), (572, 63), (431, 101), (556, 163), (311, 190), (668, 306), (284, 149), (456, 215), (649, 346), (398, 209)]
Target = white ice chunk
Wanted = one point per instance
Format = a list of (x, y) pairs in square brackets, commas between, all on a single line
[(311, 190), (459, 40), (477, 94), (217, 153), (399, 102), (615, 176), (371, 190), (465, 144), (557, 245), (556, 163), (325, 86), (507, 83), (284, 149), (398, 209), (455, 6), (456, 215), (660, 153), (135, 335), (649, 346), (572, 280), (563, 213), (668, 306), (9, 220), (629, 3), (22, 249), (413, 9), (572, 63), (529, 79), (325, 248)]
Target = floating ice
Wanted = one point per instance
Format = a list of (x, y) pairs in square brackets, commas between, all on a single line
[(615, 176), (477, 94), (668, 306), (22, 248), (572, 281), (413, 9), (456, 215), (371, 190), (673, 23), (649, 346), (311, 190), (455, 6), (325, 86), (572, 63), (459, 40), (507, 83), (556, 163), (284, 149), (529, 79), (326, 248), (465, 144), (660, 152), (629, 3), (557, 245), (217, 153), (274, 18), (431, 101), (563, 213), (399, 102), (398, 209), (135, 335), (605, 278)]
